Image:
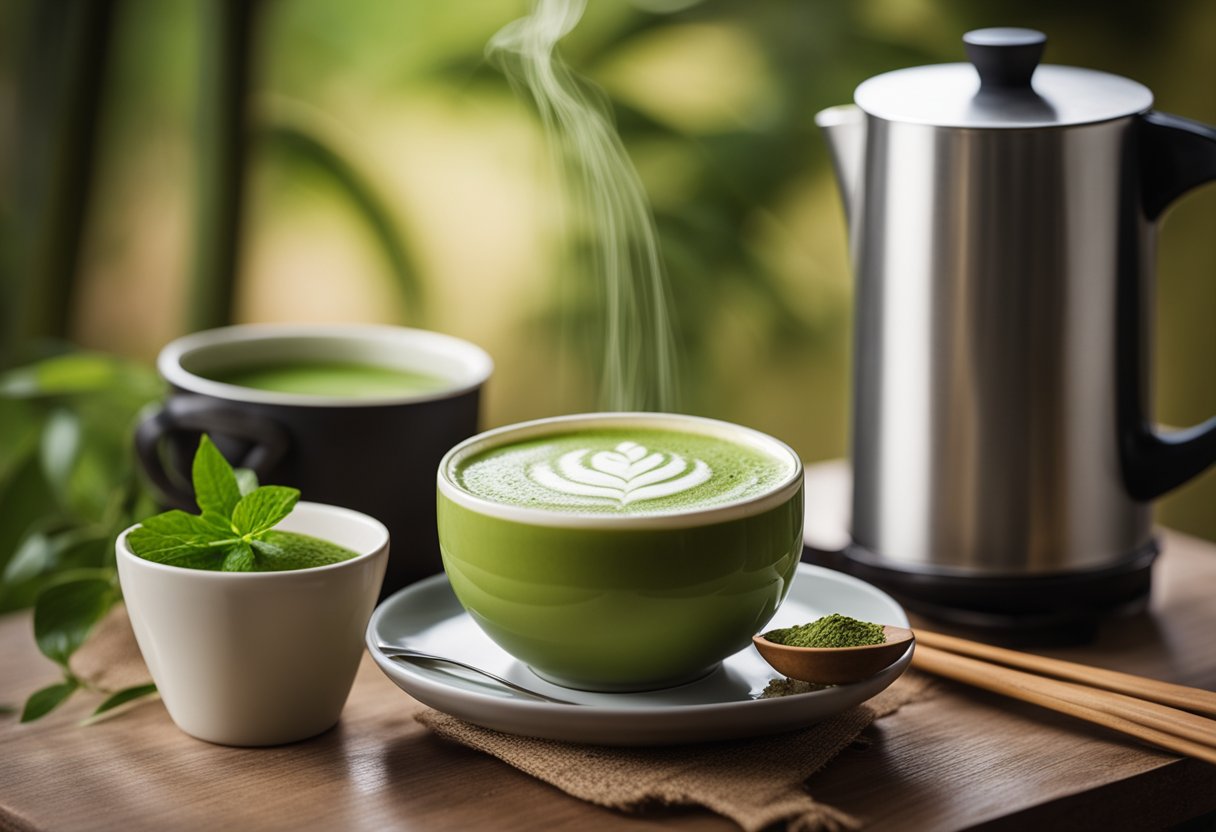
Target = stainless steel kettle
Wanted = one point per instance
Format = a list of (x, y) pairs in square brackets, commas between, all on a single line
[(1002, 221)]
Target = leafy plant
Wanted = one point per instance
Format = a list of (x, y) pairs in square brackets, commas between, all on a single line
[(67, 487), (65, 614)]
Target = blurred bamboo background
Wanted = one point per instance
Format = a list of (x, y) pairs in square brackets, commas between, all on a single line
[(169, 165)]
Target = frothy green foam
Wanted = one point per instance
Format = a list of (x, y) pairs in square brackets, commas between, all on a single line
[(625, 470)]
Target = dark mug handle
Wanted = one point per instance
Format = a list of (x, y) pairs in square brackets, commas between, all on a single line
[(196, 415), (1175, 155)]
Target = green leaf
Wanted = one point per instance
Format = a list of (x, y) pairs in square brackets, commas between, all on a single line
[(102, 466), (215, 485), (43, 557), (124, 696), (262, 509), (239, 559), (179, 524), (24, 500), (80, 374), (177, 550), (65, 374), (46, 700), (65, 613), (50, 547), (218, 525), (33, 557), (182, 539), (60, 449)]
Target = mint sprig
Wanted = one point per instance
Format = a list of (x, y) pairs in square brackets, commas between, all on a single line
[(232, 519)]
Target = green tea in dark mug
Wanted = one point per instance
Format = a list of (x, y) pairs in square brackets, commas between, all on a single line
[(331, 378), (621, 551), (353, 415)]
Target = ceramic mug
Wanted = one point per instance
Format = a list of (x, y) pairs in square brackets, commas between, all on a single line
[(373, 454), (619, 601), (258, 658)]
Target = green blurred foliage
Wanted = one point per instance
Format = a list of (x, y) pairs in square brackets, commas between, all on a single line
[(715, 102), (68, 486), (68, 483)]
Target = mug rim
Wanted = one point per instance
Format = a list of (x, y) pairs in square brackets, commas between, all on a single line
[(778, 495), (169, 362), (382, 543)]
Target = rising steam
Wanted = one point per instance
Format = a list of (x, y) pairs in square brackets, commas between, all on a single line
[(639, 353)]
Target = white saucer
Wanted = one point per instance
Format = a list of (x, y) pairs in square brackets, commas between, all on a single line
[(720, 706)]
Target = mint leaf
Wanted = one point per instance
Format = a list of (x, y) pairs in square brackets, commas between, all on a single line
[(178, 524), (218, 524), (46, 700), (260, 510), (238, 559), (215, 485), (196, 551), (124, 696), (65, 613), (235, 513), (182, 539)]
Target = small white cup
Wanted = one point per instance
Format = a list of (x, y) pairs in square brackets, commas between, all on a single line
[(258, 658)]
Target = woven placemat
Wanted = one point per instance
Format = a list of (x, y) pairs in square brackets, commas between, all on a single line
[(756, 783)]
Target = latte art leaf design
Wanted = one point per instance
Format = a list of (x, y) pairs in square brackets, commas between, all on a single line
[(628, 474)]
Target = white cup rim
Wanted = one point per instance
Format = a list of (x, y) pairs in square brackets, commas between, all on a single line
[(677, 518), (476, 365), (308, 573)]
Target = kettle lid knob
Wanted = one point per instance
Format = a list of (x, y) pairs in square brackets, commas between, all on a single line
[(1005, 57)]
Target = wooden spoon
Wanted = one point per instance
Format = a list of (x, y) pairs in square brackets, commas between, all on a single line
[(835, 665)]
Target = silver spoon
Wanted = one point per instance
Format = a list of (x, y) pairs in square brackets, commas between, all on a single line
[(409, 655)]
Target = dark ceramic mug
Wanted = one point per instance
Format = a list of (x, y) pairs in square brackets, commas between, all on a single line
[(375, 455)]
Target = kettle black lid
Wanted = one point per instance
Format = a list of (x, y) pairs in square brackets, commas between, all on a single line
[(1003, 87)]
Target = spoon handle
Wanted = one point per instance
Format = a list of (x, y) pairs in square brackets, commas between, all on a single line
[(407, 654)]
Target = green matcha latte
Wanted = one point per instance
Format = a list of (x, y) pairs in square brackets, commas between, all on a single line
[(622, 470), (621, 551)]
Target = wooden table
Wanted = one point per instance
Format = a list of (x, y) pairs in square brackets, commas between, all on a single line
[(960, 759)]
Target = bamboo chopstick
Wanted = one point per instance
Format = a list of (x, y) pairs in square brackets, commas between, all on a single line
[(1167, 727), (1178, 696)]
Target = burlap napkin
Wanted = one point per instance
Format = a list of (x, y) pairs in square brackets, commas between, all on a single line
[(756, 783)]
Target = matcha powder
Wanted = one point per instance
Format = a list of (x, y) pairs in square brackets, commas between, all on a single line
[(830, 631)]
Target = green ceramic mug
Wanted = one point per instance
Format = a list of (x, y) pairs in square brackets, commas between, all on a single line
[(621, 551)]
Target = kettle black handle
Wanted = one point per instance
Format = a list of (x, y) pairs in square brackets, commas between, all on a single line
[(1175, 155)]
